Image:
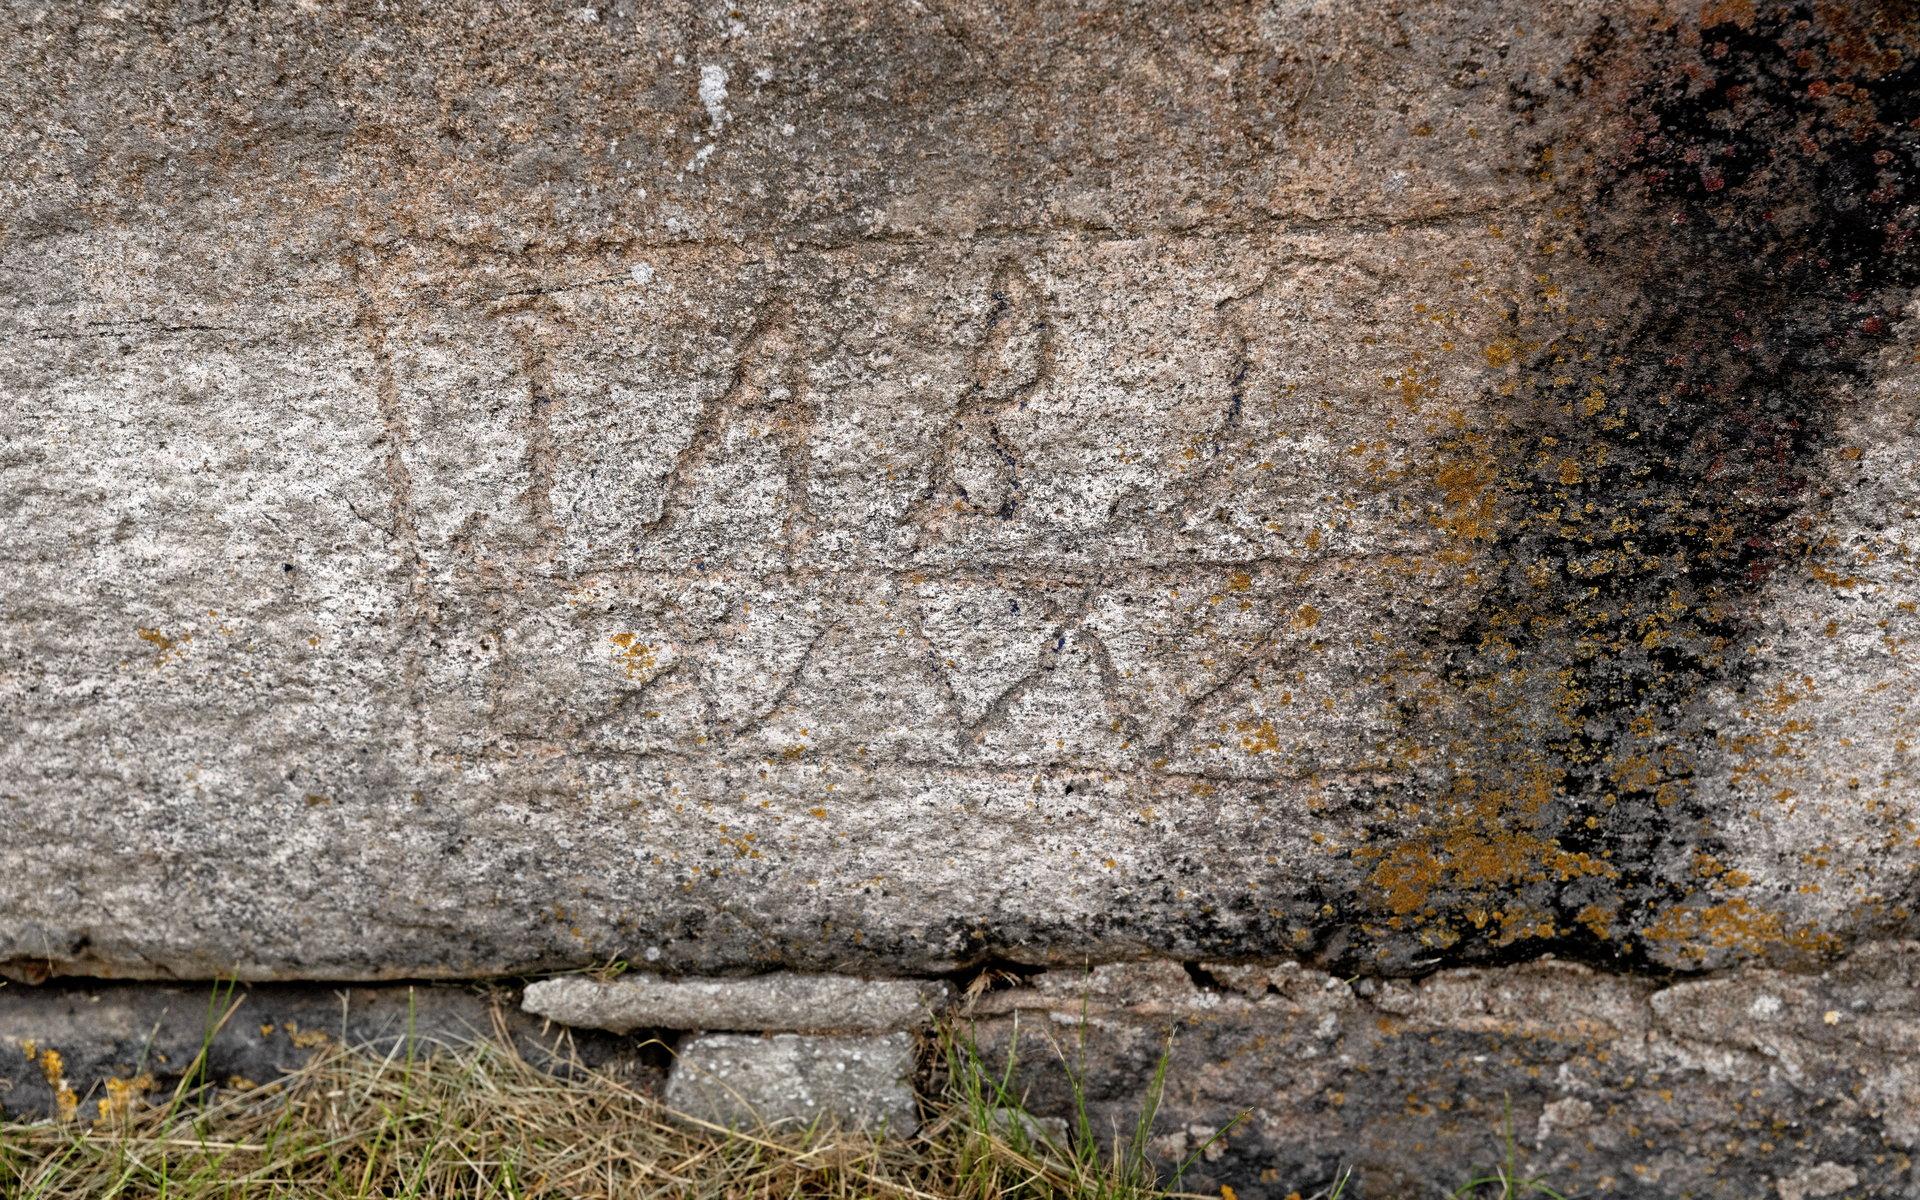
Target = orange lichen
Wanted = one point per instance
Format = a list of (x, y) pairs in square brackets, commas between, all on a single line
[(639, 658), (1467, 493), (53, 1068), (1486, 840), (166, 648), (121, 1096), (1257, 739), (1693, 931), (1727, 12), (1475, 858), (1598, 920)]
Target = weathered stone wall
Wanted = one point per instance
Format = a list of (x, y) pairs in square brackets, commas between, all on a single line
[(897, 487), (902, 485)]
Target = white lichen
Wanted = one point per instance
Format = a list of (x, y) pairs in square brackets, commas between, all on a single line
[(713, 93)]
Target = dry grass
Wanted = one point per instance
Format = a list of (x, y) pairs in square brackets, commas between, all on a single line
[(480, 1121), (476, 1120)]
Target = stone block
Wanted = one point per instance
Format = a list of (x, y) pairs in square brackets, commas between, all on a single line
[(747, 1082), (784, 1002)]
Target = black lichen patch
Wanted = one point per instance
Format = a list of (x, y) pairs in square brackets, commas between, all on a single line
[(1719, 275)]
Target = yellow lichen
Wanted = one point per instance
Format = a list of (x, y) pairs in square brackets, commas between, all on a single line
[(121, 1094), (1691, 932), (639, 658), (53, 1069), (1258, 739), (166, 648)]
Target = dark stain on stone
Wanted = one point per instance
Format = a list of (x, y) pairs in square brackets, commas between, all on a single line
[(1731, 263)]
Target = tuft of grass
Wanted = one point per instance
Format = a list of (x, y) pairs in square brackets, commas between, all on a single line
[(479, 1121), (1004, 1151), (1504, 1182)]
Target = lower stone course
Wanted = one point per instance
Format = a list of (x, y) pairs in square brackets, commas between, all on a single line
[(69, 1047), (1745, 1085)]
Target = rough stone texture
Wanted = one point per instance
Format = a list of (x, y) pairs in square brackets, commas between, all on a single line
[(890, 486), (1755, 1084), (738, 1080), (785, 1001), (894, 487), (85, 1051)]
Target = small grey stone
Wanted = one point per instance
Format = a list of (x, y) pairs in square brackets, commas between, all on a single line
[(1039, 1132), (854, 1082), (785, 1001), (1822, 1179)]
